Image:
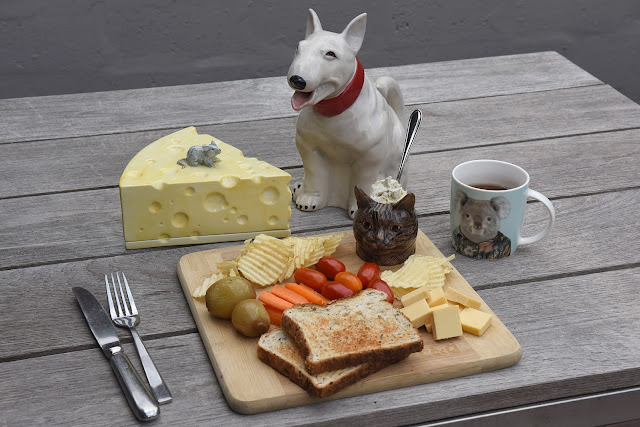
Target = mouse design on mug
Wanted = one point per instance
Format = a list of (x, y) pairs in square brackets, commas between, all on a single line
[(478, 234)]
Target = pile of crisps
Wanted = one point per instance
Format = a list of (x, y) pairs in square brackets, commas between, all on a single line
[(267, 260), (418, 271)]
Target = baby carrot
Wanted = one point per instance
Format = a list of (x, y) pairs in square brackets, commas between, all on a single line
[(307, 292), (274, 301), (289, 295), (274, 314)]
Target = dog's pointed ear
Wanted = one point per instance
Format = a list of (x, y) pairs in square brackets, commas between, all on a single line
[(313, 23), (354, 33)]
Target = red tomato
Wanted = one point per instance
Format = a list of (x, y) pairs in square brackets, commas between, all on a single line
[(350, 280), (330, 267), (312, 278), (381, 285), (368, 272), (335, 290)]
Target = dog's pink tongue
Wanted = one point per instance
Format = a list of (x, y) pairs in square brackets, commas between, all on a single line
[(299, 100)]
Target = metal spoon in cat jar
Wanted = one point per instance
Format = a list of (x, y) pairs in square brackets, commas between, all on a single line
[(412, 129)]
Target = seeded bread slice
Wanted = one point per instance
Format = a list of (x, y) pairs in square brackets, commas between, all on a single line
[(350, 331), (278, 350)]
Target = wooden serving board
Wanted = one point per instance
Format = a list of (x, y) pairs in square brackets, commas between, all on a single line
[(251, 386)]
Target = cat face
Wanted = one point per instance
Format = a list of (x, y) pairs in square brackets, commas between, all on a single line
[(385, 233)]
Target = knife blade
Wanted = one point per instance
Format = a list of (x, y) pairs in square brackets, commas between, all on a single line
[(142, 403)]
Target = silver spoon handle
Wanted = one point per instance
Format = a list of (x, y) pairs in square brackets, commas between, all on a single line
[(412, 129)]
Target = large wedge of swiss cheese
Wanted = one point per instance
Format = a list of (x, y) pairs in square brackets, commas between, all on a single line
[(165, 204)]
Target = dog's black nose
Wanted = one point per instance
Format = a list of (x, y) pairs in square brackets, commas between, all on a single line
[(297, 82)]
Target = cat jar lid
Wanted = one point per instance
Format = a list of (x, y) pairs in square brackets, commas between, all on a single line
[(385, 233)]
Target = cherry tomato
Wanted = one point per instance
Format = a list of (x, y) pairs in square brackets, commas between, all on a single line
[(330, 267), (368, 272), (381, 285), (335, 290), (312, 278), (350, 280)]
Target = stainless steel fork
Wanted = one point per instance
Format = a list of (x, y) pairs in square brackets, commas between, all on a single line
[(129, 319)]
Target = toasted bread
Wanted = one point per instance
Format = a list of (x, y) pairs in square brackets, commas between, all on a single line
[(277, 349), (364, 328)]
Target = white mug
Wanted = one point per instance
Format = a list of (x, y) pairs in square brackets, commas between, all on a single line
[(488, 198)]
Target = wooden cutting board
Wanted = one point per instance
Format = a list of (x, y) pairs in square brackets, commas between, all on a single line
[(252, 387)]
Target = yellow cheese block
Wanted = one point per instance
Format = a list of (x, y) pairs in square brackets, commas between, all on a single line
[(434, 308), (474, 321), (417, 312), (460, 298), (165, 204), (436, 297), (446, 322), (415, 295)]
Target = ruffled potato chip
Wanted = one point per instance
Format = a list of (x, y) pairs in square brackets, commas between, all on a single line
[(331, 243), (418, 271), (228, 268), (306, 251), (265, 260), (201, 290)]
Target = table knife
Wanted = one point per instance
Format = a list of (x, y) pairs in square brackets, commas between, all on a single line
[(140, 399)]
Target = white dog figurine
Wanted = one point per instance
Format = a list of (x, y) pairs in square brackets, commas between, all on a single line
[(348, 132)]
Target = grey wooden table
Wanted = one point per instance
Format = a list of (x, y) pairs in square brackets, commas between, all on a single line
[(571, 300)]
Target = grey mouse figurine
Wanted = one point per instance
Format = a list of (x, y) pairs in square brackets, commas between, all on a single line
[(201, 155)]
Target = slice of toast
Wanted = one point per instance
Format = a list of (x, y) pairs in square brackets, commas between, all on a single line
[(277, 349), (350, 331)]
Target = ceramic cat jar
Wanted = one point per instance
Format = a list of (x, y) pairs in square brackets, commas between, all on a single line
[(385, 233)]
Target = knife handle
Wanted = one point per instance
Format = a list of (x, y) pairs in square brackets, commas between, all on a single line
[(142, 403)]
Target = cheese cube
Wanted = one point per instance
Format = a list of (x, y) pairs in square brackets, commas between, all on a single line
[(460, 298), (446, 323), (166, 204), (415, 295), (429, 327), (434, 308), (417, 312), (436, 297), (474, 321)]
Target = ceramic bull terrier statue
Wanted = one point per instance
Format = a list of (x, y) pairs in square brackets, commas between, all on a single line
[(349, 131)]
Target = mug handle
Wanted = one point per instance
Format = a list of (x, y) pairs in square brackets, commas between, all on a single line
[(552, 212)]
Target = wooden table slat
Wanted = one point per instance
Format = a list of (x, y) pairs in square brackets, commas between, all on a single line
[(63, 116), (94, 162), (57, 216)]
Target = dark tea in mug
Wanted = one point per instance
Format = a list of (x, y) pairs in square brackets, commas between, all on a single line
[(490, 187)]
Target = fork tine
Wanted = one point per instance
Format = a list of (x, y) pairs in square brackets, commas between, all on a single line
[(134, 310), (112, 309), (124, 299), (115, 292)]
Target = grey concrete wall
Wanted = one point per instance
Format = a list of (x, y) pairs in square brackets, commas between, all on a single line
[(67, 46)]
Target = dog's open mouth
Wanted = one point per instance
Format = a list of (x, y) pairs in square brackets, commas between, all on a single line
[(299, 100)]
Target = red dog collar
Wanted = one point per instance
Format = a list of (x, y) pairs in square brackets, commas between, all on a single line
[(337, 105)]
